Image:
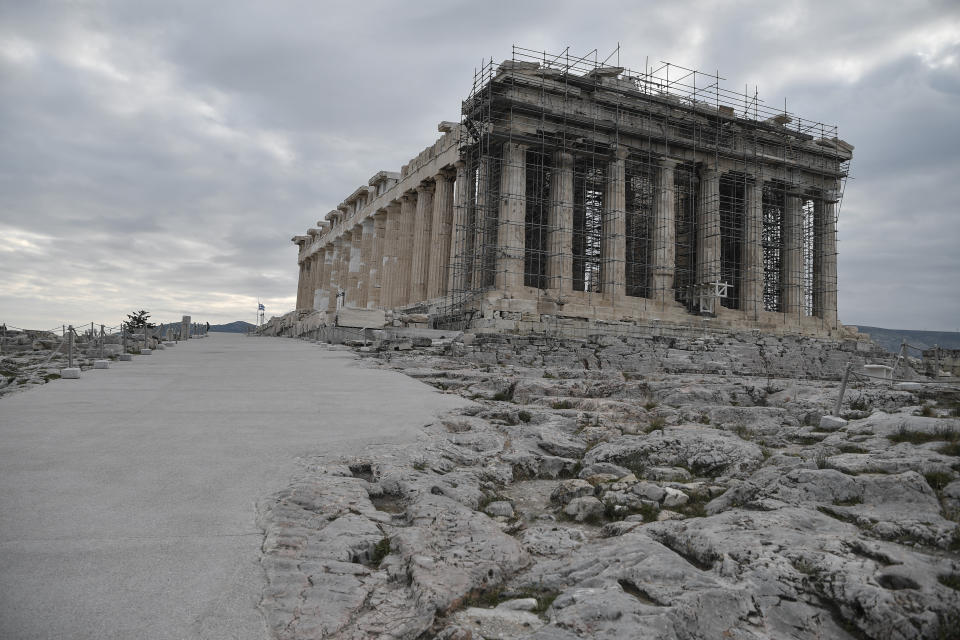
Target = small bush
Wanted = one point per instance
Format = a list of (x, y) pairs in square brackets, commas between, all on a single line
[(524, 416), (649, 512), (821, 460), (951, 580), (927, 411), (380, 551), (950, 449), (657, 422), (860, 404), (937, 479), (921, 437), (849, 502), (804, 567), (547, 374), (650, 405), (743, 432), (562, 404)]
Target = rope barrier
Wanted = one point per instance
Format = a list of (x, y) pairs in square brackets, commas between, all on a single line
[(867, 375)]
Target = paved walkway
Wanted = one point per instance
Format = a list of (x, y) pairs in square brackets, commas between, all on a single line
[(127, 498)]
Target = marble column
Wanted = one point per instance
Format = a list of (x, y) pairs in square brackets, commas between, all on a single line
[(366, 254), (751, 299), (613, 240), (408, 215), (333, 280), (317, 269), (459, 254), (389, 289), (376, 260), (316, 293), (825, 257), (708, 237), (355, 266), (438, 253), (663, 236), (325, 267), (302, 284), (423, 223), (510, 227), (560, 225), (792, 266)]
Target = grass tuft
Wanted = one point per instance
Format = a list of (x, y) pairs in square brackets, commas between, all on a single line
[(380, 551)]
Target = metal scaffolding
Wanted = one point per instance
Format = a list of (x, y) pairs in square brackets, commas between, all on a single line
[(588, 183)]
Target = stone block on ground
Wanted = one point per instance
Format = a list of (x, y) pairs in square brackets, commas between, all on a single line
[(361, 318)]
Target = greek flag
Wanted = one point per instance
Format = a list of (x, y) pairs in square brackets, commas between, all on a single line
[(260, 307)]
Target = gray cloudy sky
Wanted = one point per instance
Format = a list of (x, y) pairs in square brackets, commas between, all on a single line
[(160, 155)]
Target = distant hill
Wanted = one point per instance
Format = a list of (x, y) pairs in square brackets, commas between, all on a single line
[(239, 326), (890, 339)]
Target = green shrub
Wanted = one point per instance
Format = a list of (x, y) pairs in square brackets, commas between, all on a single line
[(380, 551)]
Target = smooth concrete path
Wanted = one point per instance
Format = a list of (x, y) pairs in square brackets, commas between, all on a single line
[(127, 497)]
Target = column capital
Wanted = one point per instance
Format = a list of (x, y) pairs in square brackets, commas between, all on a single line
[(668, 163), (447, 174), (620, 153), (562, 157), (708, 170), (425, 187), (459, 164)]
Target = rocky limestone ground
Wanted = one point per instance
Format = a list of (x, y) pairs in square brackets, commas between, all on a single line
[(579, 503), (30, 358)]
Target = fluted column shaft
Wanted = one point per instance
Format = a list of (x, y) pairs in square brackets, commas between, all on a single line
[(708, 237), (825, 257), (483, 214), (792, 275), (664, 233), (751, 300), (366, 254), (302, 281), (510, 228), (317, 282), (613, 239), (317, 279), (560, 224), (389, 289), (459, 245), (423, 222), (355, 266), (333, 280), (324, 266), (438, 252), (408, 214), (376, 260)]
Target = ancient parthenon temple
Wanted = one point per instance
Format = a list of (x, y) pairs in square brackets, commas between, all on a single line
[(574, 193)]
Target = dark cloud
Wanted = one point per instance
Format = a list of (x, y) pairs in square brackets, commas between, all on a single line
[(161, 155)]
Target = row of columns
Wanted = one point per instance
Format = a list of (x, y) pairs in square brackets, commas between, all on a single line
[(397, 257), (509, 261)]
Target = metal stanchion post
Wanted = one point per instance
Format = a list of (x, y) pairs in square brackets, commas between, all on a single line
[(843, 389), (101, 363), (71, 372)]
